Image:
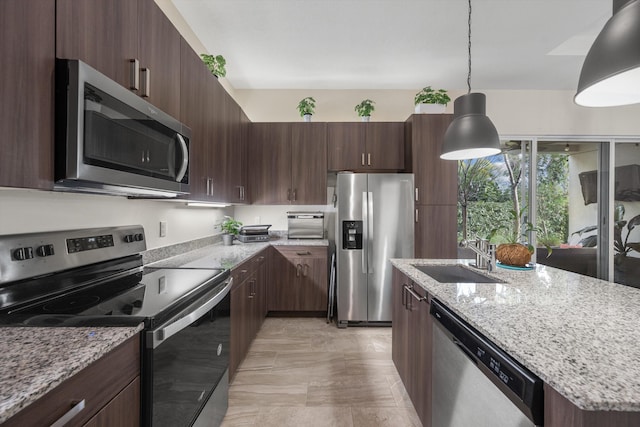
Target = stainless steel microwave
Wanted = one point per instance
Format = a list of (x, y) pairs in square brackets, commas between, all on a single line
[(109, 140)]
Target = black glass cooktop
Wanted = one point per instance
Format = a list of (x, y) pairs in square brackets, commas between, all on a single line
[(149, 296)]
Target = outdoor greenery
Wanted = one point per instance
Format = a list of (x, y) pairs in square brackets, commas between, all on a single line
[(365, 108), (489, 202), (215, 63), (431, 96), (307, 106)]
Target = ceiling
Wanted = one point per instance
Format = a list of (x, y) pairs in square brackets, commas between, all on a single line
[(397, 44)]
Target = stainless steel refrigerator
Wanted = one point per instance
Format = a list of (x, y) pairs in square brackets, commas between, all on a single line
[(374, 222)]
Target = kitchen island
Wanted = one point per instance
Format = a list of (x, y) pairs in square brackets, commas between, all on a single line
[(580, 335)]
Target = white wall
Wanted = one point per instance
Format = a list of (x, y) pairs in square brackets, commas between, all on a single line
[(25, 211)]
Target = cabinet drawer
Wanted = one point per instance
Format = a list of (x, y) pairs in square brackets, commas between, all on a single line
[(242, 271), (302, 251), (97, 384)]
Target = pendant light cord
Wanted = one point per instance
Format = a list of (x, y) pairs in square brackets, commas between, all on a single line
[(469, 50)]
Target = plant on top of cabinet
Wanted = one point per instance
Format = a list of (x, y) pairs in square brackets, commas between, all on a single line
[(364, 109), (431, 101), (230, 227), (306, 107), (215, 63)]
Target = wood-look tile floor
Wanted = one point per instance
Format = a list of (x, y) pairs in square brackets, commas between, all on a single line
[(305, 372)]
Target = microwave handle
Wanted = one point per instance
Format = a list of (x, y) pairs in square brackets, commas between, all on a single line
[(185, 158)]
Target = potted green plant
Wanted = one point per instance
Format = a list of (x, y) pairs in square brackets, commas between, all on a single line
[(364, 109), (230, 228), (215, 63), (431, 101), (306, 107)]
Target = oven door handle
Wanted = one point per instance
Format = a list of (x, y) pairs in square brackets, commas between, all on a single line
[(165, 332)]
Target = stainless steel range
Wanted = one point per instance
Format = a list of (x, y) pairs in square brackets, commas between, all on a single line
[(95, 277)]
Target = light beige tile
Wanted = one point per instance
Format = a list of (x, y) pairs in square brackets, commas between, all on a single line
[(307, 417), (267, 395), (351, 390), (313, 364), (240, 416), (369, 363), (284, 344), (269, 378), (258, 360), (399, 392), (385, 417)]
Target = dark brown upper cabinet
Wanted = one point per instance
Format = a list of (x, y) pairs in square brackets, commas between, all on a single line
[(110, 34), (436, 180), (27, 34), (365, 147), (288, 163)]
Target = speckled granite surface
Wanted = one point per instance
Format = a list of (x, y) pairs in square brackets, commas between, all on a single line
[(220, 256), (580, 335), (33, 361)]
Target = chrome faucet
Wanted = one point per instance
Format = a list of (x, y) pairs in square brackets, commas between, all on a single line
[(485, 253)]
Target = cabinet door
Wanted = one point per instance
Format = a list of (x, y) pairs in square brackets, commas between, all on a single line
[(436, 180), (270, 160), (102, 33), (194, 108), (419, 378), (309, 163), (27, 35), (241, 324), (283, 292), (346, 146), (122, 411), (313, 281), (436, 231), (400, 322), (384, 145), (159, 53), (228, 171)]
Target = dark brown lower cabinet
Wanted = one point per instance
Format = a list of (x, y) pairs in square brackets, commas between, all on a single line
[(110, 388), (411, 342), (248, 306), (299, 280)]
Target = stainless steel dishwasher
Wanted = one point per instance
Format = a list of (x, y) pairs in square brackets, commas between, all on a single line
[(477, 384)]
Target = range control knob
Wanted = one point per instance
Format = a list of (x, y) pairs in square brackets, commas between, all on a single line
[(22, 254), (138, 237), (45, 250)]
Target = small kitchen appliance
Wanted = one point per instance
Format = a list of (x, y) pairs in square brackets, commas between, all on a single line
[(254, 233), (305, 225), (95, 277)]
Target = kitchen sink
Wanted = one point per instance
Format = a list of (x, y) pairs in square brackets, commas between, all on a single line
[(455, 274)]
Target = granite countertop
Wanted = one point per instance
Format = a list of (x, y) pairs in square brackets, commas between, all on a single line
[(220, 256), (33, 361), (579, 334)]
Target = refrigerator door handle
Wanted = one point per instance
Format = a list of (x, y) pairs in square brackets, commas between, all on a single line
[(365, 231), (370, 234)]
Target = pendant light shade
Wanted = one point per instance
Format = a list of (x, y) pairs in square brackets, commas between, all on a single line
[(471, 134), (611, 71)]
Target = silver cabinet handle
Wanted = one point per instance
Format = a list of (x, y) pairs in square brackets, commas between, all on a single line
[(416, 214), (185, 158), (148, 156), (295, 196), (416, 296), (298, 269), (171, 329), (289, 194), (134, 74), (69, 415), (208, 186), (362, 159), (146, 82), (305, 271), (368, 159), (416, 194)]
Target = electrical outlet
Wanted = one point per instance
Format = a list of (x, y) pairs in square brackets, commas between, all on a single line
[(163, 228)]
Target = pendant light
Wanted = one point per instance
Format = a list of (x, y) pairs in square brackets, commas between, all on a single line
[(471, 134), (610, 74)]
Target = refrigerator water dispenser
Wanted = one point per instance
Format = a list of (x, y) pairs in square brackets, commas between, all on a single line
[(351, 234)]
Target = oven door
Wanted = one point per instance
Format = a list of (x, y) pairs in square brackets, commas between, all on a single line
[(186, 363)]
